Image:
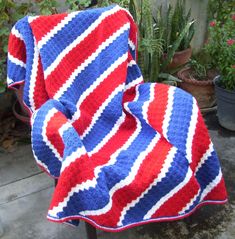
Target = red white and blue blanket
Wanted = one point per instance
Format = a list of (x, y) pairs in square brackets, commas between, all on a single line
[(124, 152)]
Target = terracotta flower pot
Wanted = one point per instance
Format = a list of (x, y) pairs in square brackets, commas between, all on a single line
[(180, 58), (202, 90), (19, 109)]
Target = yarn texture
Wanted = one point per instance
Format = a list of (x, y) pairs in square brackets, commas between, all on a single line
[(124, 152)]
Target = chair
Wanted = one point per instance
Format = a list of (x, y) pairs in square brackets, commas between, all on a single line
[(125, 152)]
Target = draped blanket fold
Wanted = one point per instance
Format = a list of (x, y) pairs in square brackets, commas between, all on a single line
[(124, 152)]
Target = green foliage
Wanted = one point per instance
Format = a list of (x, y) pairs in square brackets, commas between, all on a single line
[(174, 23), (47, 7), (75, 5), (220, 10), (221, 48), (200, 66), (122, 3)]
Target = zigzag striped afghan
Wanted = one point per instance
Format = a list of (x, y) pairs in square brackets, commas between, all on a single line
[(125, 152)]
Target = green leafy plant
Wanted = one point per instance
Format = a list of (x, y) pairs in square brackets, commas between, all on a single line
[(177, 20), (155, 39), (199, 69), (220, 10), (221, 48), (47, 7), (75, 5)]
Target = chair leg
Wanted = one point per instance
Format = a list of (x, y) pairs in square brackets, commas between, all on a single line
[(91, 231)]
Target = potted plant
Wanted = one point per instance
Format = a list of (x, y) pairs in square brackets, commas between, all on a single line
[(152, 41), (221, 47), (173, 24), (197, 79)]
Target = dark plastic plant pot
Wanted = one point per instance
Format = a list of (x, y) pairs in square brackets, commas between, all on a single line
[(225, 106)]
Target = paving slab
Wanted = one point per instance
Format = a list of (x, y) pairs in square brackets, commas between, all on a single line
[(17, 165)]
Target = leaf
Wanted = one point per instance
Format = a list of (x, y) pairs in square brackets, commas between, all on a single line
[(175, 46)]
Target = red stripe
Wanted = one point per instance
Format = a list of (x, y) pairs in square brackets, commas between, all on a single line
[(83, 168), (89, 106), (147, 173), (40, 95), (178, 201), (52, 131), (82, 51), (217, 193), (16, 48), (44, 24), (200, 143), (157, 107)]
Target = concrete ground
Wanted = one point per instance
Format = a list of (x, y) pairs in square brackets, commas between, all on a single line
[(25, 194)]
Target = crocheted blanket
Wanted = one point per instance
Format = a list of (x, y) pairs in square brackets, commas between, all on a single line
[(124, 152)]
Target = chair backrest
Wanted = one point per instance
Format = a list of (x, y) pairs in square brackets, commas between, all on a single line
[(82, 59)]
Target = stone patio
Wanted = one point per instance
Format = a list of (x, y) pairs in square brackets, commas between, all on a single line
[(25, 194)]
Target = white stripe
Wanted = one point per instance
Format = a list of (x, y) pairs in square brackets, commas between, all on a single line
[(63, 128), (9, 81), (126, 181), (211, 186), (48, 71), (132, 63), (191, 131), (16, 61), (91, 58), (165, 168), (169, 195), (108, 136), (96, 83), (205, 156), (131, 44), (99, 111), (168, 113), (33, 76), (190, 203), (134, 83), (32, 18), (49, 115), (93, 182), (56, 29), (16, 33), (72, 158)]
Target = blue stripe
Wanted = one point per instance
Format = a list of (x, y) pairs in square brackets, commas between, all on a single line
[(24, 28), (205, 175), (71, 141), (87, 77), (42, 151), (67, 34), (180, 119), (175, 175), (103, 126), (133, 73), (15, 72)]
